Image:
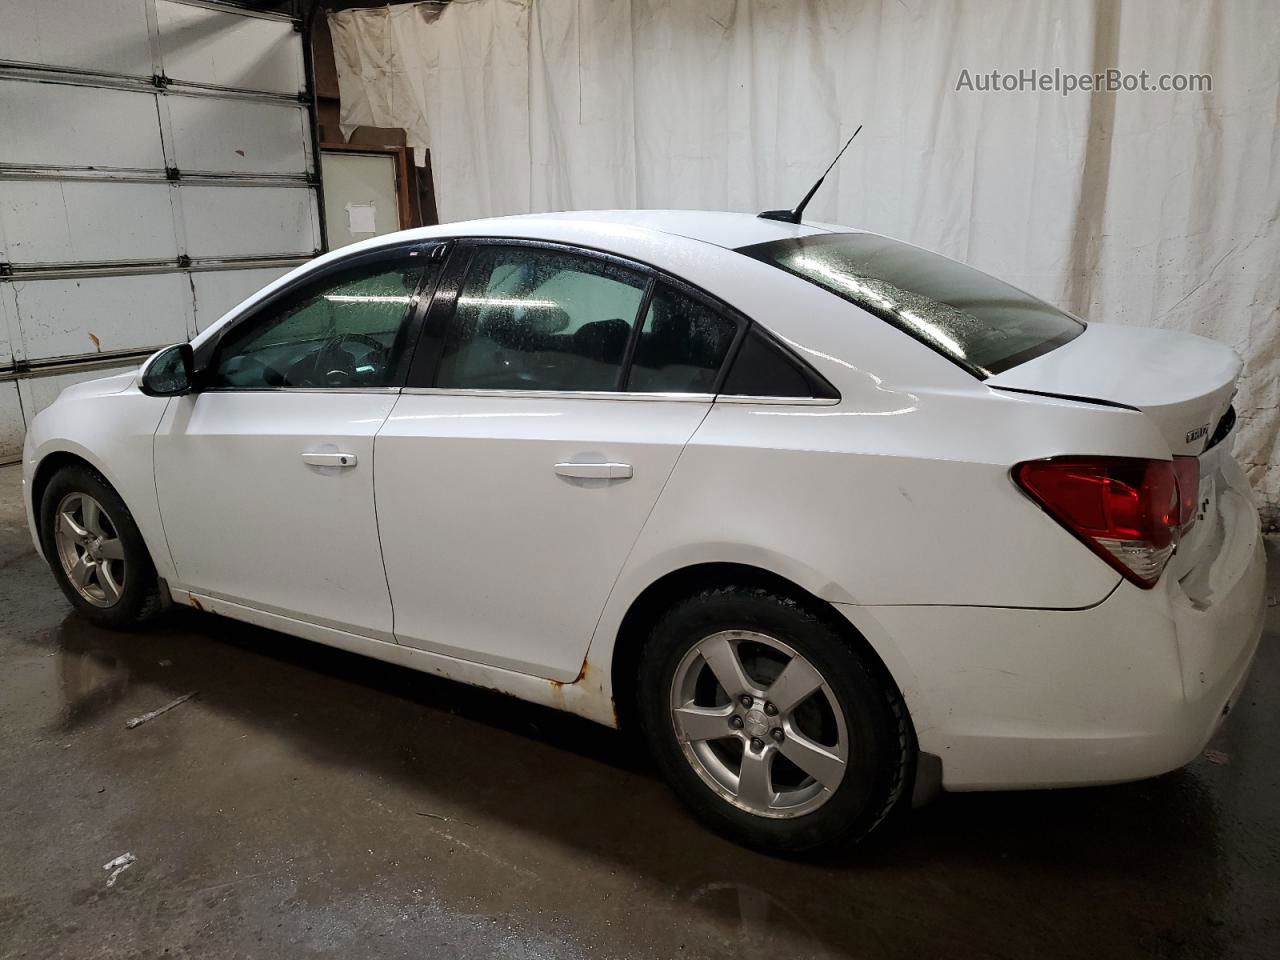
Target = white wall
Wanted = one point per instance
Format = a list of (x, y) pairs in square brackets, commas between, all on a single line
[(1147, 208)]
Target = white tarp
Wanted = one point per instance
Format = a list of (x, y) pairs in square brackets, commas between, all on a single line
[(1151, 208)]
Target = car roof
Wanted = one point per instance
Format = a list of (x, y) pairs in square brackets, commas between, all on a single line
[(722, 229), (623, 232)]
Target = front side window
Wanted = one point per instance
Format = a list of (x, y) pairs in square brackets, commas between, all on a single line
[(340, 332), (682, 345), (533, 319), (983, 324)]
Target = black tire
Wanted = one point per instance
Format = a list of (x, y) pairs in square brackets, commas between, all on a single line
[(881, 745), (140, 599)]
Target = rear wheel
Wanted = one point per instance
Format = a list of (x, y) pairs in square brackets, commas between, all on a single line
[(96, 551), (770, 725)]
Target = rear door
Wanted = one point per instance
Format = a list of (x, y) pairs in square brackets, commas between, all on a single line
[(265, 476), (549, 401)]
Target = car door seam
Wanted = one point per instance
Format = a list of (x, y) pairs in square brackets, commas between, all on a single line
[(377, 519), (636, 539), (155, 485)]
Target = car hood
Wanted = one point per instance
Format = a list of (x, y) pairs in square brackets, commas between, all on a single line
[(101, 387)]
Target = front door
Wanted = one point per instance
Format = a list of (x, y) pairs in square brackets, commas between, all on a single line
[(265, 476), (514, 477)]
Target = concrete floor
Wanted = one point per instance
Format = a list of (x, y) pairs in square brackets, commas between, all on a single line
[(308, 802)]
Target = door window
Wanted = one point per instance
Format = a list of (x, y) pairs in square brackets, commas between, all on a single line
[(338, 333), (529, 319), (681, 347)]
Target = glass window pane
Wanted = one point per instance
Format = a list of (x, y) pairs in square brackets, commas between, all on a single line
[(762, 370), (682, 345), (540, 320), (981, 323), (339, 333)]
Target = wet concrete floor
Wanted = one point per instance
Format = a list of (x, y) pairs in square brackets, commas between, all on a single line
[(308, 802)]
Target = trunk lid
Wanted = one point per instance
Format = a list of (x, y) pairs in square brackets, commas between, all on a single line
[(1184, 383)]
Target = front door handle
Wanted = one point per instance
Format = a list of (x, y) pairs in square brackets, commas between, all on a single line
[(329, 459), (595, 471)]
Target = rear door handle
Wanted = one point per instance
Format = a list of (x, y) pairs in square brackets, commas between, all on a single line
[(595, 471), (329, 459)]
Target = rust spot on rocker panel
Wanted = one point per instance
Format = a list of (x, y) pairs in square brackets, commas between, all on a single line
[(560, 684), (196, 603)]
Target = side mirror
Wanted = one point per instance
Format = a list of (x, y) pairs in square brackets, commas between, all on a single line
[(169, 372)]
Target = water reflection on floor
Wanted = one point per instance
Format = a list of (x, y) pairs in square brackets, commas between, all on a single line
[(310, 802)]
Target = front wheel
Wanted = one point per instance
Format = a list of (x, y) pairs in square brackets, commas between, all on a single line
[(770, 725), (96, 551)]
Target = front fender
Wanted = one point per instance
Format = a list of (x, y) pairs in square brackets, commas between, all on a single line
[(114, 433)]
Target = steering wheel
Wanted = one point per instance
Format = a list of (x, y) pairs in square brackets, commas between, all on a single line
[(319, 369)]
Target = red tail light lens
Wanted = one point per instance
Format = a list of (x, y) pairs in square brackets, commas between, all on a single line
[(1128, 511), (1187, 471)]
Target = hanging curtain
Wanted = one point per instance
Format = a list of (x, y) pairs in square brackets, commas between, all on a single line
[(1150, 208)]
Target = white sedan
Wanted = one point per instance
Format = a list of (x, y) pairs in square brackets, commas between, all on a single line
[(833, 520)]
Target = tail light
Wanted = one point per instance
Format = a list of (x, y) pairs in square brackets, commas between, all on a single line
[(1187, 472), (1130, 512)]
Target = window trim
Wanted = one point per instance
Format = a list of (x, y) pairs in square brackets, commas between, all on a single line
[(407, 337), (425, 366)]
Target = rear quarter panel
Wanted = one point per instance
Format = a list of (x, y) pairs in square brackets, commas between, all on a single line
[(887, 498)]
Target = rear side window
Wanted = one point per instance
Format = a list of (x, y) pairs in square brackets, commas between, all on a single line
[(764, 369), (981, 323), (681, 347), (529, 319)]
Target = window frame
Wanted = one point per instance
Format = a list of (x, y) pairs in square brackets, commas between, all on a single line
[(425, 365), (427, 254)]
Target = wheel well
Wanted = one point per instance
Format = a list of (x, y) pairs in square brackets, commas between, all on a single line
[(45, 471), (659, 596)]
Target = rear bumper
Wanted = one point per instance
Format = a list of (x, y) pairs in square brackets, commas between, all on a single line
[(1130, 688)]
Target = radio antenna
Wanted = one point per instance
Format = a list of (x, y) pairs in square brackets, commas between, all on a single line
[(793, 216)]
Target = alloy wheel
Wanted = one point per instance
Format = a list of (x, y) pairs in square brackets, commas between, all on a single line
[(759, 724), (90, 550)]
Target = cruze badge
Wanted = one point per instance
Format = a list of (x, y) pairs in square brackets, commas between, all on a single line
[(1197, 433)]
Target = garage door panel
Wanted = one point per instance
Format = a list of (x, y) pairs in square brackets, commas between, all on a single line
[(217, 291), (249, 221), (8, 324), (205, 46), (58, 222), (95, 127), (238, 136), (76, 316), (105, 35), (12, 426)]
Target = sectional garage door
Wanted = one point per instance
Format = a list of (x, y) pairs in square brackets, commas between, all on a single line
[(155, 168)]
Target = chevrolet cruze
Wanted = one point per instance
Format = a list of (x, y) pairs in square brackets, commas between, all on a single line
[(834, 521)]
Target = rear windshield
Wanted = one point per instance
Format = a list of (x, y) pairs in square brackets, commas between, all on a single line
[(981, 323)]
